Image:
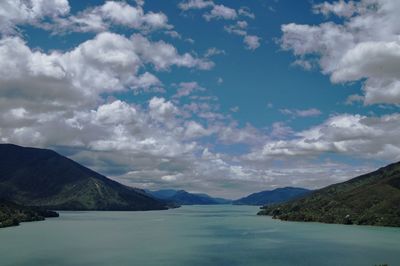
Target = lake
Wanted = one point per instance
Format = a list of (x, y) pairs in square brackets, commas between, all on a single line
[(194, 235)]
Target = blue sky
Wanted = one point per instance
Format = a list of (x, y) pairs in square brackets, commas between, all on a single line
[(224, 97)]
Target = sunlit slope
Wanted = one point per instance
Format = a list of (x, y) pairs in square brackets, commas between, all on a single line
[(371, 199)]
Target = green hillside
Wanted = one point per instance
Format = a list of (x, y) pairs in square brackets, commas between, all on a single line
[(40, 177), (12, 214), (371, 199)]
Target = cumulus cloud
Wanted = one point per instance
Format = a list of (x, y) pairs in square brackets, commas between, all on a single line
[(144, 145), (214, 172), (58, 98), (281, 131), (221, 12), (105, 64), (163, 55), (355, 135), (68, 100), (239, 28), (252, 42), (162, 110), (195, 130), (217, 11), (71, 77), (101, 18), (339, 8), (55, 16), (365, 47), (195, 4), (18, 12)]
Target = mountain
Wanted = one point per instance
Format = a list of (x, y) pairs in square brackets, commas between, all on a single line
[(269, 197), (370, 199), (163, 193), (41, 177), (12, 214), (183, 197)]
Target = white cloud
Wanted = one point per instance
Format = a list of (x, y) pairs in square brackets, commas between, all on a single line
[(306, 65), (148, 144), (105, 64), (355, 135), (195, 130), (124, 14), (187, 88), (101, 18), (160, 109), (195, 4), (81, 77), (339, 8), (214, 51), (245, 11), (163, 55), (221, 12), (239, 28), (117, 112), (232, 133), (354, 98), (18, 12), (217, 11), (67, 99), (301, 112), (280, 130), (252, 42), (173, 34), (365, 47)]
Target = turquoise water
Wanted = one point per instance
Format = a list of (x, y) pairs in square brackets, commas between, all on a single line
[(194, 235)]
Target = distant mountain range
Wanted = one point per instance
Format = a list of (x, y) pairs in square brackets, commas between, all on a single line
[(370, 199), (183, 197), (269, 197), (41, 177)]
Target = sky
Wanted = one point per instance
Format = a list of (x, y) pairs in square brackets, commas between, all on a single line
[(222, 97)]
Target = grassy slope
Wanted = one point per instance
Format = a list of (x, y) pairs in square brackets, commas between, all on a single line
[(371, 199)]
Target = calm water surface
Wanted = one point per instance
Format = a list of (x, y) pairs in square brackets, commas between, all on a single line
[(194, 235)]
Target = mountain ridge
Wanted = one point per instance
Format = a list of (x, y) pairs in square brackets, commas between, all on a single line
[(183, 197), (267, 197), (42, 177), (369, 199)]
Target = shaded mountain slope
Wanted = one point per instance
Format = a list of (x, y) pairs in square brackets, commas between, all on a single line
[(269, 197), (183, 197), (370, 199), (41, 177)]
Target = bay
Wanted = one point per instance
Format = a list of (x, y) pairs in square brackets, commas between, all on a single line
[(194, 235)]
